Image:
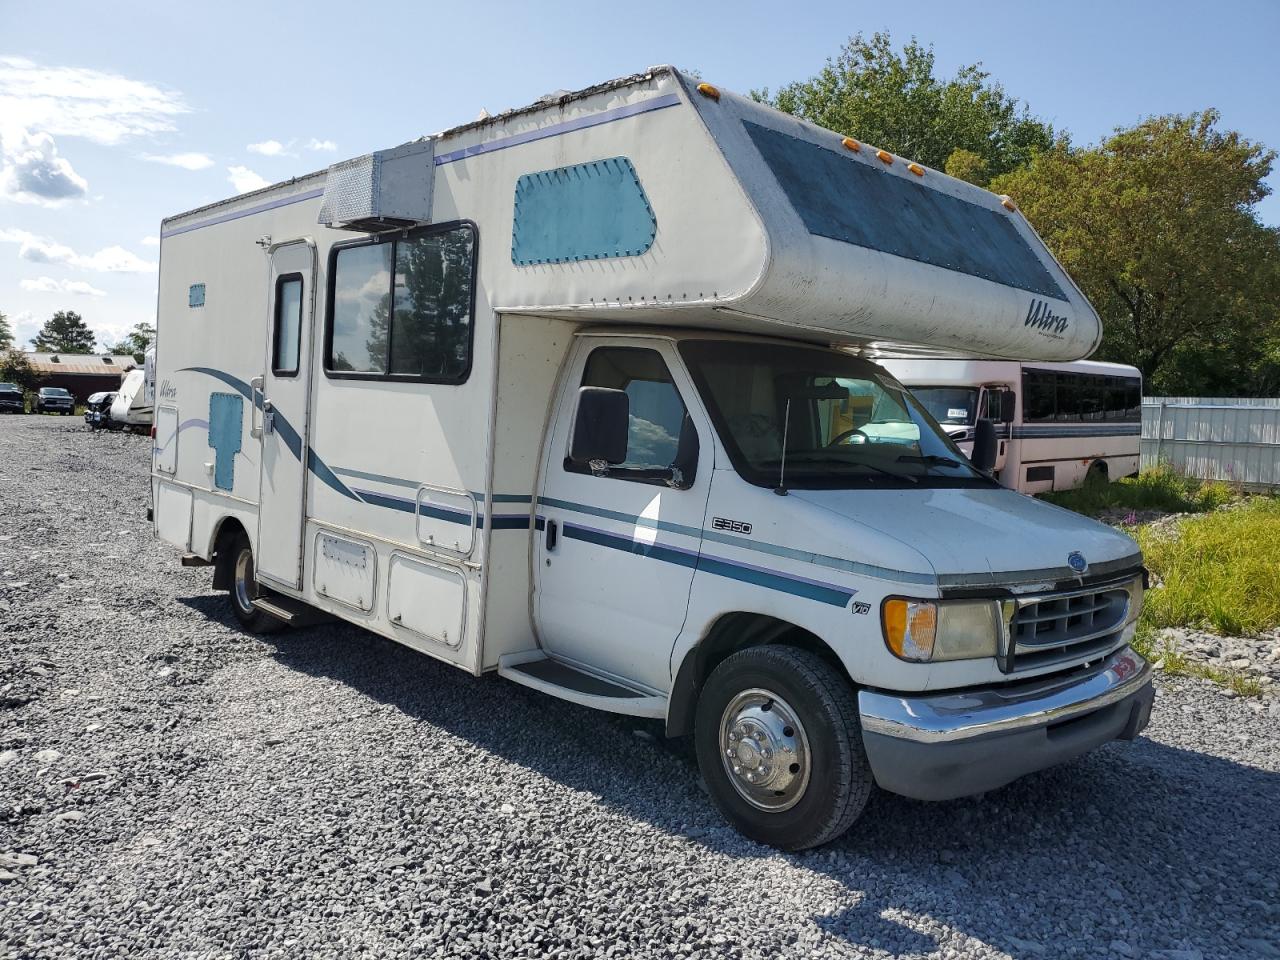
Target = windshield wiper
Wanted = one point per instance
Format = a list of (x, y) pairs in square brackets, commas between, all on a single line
[(929, 458), (814, 458)]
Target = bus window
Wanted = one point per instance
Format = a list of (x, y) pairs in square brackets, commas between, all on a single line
[(1037, 396)]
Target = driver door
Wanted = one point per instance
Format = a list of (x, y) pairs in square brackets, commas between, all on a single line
[(615, 559)]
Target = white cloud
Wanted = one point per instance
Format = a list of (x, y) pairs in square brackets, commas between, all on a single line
[(75, 102), (50, 285), (321, 146), (31, 171), (150, 241), (187, 161), (25, 326), (244, 179), (40, 103), (36, 249), (268, 148)]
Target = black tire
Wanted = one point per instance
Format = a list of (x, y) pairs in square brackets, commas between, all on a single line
[(829, 739), (245, 589), (1097, 474)]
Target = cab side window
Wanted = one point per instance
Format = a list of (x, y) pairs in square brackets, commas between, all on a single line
[(657, 415)]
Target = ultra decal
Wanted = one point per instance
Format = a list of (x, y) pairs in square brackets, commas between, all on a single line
[(1041, 316)]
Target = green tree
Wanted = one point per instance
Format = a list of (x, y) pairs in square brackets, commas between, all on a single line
[(1159, 227), (136, 342), (894, 101), (16, 368), (6, 333), (64, 332)]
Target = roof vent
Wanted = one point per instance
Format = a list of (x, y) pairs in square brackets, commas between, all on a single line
[(54, 358), (107, 360), (384, 190)]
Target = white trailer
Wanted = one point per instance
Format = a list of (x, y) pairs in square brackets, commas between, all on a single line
[(579, 394), (1059, 424), (133, 408)]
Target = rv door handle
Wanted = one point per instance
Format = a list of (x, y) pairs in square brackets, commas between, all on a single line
[(255, 391), (268, 417), (553, 535)]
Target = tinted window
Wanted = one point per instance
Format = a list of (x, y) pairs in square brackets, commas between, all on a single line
[(402, 307), (431, 336), (361, 300), (288, 325), (1038, 396), (657, 413)]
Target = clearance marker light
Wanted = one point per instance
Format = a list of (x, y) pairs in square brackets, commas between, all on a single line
[(884, 155), (916, 169), (707, 90), (1007, 203), (851, 144)]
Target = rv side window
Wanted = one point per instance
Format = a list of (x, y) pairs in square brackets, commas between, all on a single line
[(657, 414), (402, 308), (288, 325)]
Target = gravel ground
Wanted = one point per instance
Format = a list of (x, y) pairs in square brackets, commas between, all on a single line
[(170, 787)]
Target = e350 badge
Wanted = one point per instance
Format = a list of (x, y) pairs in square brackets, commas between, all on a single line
[(731, 526)]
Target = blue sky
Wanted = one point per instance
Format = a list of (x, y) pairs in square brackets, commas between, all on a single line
[(115, 115)]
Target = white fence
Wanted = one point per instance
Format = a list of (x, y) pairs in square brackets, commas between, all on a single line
[(1214, 438)]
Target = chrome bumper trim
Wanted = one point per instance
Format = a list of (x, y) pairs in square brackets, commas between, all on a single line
[(964, 714)]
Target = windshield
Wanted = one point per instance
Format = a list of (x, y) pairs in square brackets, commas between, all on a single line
[(950, 406), (847, 422), (54, 392)]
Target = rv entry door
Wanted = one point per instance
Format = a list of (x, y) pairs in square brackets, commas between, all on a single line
[(283, 420)]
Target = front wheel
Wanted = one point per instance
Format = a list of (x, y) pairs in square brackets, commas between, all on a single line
[(780, 747), (245, 589)]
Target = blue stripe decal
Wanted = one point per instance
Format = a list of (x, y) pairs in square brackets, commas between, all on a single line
[(717, 566), (557, 129), (756, 546), (247, 212), (621, 517), (1081, 432)]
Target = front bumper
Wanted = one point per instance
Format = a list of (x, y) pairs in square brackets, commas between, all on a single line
[(946, 745)]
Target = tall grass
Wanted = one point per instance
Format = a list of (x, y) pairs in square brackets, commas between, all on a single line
[(1219, 572), (1157, 489)]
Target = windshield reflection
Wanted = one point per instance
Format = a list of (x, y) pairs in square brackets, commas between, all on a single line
[(846, 421)]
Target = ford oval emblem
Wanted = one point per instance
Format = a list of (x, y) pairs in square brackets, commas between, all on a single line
[(1077, 562)]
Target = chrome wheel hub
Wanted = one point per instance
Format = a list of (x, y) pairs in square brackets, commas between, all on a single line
[(243, 588), (764, 750)]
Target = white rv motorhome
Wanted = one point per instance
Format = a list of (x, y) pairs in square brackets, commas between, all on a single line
[(134, 405), (581, 394), (1059, 424)]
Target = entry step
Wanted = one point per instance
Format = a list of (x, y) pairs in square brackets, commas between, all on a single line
[(537, 670), (293, 613)]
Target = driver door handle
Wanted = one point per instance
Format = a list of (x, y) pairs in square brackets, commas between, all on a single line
[(553, 535)]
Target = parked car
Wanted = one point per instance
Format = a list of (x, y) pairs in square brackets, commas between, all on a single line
[(54, 400), (11, 399), (97, 412)]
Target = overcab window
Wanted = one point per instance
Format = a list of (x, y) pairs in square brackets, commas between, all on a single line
[(402, 308)]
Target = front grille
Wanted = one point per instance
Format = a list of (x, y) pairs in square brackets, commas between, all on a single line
[(1067, 626)]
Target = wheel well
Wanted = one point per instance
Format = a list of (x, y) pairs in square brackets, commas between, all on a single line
[(228, 530), (729, 634)]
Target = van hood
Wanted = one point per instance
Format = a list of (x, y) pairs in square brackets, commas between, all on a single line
[(985, 537)]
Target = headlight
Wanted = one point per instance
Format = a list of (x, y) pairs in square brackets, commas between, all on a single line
[(927, 631)]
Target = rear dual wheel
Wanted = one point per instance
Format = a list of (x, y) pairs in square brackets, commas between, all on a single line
[(780, 747)]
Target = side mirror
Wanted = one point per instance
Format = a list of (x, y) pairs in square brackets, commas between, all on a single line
[(684, 469), (985, 442), (600, 426), (1006, 407)]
